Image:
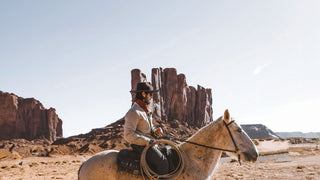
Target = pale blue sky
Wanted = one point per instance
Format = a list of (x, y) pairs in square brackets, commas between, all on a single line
[(260, 58)]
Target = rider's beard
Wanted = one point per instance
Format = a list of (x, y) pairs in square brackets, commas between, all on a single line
[(146, 100)]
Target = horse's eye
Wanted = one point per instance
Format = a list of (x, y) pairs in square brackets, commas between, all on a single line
[(239, 130)]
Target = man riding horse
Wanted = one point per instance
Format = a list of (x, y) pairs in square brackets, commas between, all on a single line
[(138, 128)]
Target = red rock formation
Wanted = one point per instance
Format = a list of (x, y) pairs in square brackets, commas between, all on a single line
[(136, 76), (27, 118), (175, 99)]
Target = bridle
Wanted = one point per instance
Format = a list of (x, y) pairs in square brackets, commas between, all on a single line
[(236, 150), (234, 142)]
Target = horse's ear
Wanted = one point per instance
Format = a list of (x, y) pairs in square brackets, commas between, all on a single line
[(226, 116)]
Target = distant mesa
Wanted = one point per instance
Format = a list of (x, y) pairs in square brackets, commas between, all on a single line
[(287, 135), (259, 131), (27, 118)]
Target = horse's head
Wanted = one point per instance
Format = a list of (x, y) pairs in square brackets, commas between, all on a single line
[(239, 140)]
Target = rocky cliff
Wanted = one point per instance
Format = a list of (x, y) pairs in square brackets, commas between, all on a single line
[(286, 135), (175, 99), (259, 131), (27, 118)]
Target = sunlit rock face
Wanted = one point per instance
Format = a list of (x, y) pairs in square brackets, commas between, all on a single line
[(259, 131), (27, 118), (175, 99)]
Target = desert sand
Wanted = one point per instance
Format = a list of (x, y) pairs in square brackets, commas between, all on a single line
[(285, 161)]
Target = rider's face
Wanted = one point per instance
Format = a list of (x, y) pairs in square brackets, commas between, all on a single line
[(147, 97)]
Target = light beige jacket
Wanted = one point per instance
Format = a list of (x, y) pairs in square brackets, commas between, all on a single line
[(137, 126)]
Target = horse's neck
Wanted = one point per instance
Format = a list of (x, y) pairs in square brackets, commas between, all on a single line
[(201, 161)]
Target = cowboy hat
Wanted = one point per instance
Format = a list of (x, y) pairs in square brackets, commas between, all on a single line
[(144, 87)]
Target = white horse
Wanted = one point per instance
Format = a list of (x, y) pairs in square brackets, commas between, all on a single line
[(200, 161)]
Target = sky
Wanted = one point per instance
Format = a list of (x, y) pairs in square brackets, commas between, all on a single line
[(260, 58)]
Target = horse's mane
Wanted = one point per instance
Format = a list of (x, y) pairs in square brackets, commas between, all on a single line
[(211, 124)]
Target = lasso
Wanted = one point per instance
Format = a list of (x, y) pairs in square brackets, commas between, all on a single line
[(145, 169)]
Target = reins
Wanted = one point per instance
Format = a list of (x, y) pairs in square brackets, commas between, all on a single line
[(210, 147)]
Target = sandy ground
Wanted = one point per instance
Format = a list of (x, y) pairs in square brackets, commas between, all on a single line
[(300, 162), (59, 167), (281, 167)]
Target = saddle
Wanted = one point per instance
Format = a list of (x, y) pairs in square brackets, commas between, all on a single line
[(129, 160)]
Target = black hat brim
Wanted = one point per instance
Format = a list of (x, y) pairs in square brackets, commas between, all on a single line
[(145, 91)]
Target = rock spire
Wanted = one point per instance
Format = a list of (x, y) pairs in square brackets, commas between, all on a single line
[(175, 99)]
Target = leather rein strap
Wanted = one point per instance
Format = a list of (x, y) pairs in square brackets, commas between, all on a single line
[(215, 148), (210, 147)]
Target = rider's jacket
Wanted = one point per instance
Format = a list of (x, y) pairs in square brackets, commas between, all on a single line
[(137, 125)]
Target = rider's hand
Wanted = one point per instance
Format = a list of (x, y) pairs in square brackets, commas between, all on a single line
[(158, 132), (152, 142)]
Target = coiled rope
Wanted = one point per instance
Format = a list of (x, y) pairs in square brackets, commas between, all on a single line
[(145, 169)]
